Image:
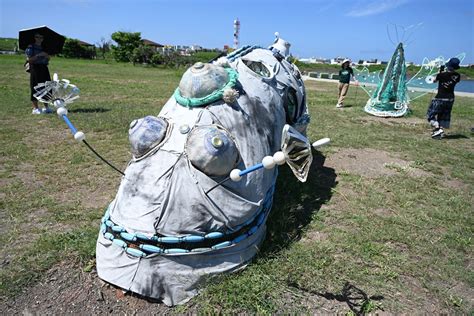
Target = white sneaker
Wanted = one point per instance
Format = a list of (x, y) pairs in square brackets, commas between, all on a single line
[(46, 111), (339, 105), (439, 133), (36, 111)]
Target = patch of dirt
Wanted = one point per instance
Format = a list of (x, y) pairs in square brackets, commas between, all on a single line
[(371, 163), (420, 298), (456, 184), (398, 246), (464, 292), (311, 304), (391, 121), (67, 290), (314, 236), (383, 212), (26, 174), (86, 196)]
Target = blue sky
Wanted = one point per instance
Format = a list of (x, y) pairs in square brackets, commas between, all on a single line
[(320, 28)]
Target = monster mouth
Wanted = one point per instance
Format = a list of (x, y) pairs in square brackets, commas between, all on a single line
[(141, 245)]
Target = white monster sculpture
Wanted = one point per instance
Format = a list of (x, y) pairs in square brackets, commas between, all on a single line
[(194, 199)]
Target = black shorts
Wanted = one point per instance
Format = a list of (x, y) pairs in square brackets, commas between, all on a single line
[(440, 111), (38, 74)]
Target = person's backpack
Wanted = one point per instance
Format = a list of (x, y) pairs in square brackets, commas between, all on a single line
[(27, 66)]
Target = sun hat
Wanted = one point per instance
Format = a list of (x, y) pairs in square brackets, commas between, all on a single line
[(345, 61), (453, 63)]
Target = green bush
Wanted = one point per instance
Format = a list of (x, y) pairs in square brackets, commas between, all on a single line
[(73, 49), (142, 54)]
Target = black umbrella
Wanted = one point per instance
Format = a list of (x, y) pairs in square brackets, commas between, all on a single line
[(52, 44)]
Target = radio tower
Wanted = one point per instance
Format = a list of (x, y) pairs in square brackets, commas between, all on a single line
[(236, 33)]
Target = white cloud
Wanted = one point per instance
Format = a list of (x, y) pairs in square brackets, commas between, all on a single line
[(375, 7)]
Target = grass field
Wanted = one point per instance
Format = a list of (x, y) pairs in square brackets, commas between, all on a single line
[(384, 223)]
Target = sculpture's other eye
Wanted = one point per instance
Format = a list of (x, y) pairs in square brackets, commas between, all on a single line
[(146, 133), (258, 68), (212, 150), (290, 104)]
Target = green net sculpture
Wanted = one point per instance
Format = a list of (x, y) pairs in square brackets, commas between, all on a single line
[(390, 95)]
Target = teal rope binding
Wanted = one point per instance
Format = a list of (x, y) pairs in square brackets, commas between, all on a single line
[(213, 97)]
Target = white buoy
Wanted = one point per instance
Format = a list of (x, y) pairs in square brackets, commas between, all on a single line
[(321, 142), (279, 158), (79, 136), (235, 176), (61, 111), (268, 162)]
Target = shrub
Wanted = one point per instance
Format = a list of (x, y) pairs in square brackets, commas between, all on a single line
[(73, 49)]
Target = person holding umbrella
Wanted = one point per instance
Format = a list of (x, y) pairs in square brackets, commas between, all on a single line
[(39, 43), (39, 71)]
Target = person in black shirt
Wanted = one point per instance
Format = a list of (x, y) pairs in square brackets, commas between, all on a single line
[(439, 111)]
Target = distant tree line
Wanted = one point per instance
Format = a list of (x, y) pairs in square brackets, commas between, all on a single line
[(126, 47), (130, 48)]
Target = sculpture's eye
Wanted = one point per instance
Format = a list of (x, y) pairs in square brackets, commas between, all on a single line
[(258, 67), (212, 150), (290, 104), (146, 133)]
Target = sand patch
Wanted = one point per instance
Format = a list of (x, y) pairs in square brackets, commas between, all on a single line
[(371, 163)]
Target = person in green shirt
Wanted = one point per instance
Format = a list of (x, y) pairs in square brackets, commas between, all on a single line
[(344, 78)]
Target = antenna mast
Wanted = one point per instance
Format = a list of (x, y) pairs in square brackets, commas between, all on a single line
[(236, 33)]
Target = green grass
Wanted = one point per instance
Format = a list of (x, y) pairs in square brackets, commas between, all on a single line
[(404, 242)]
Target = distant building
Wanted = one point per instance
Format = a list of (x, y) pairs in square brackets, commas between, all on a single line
[(155, 46), (85, 44), (370, 62), (196, 48), (313, 60), (337, 60)]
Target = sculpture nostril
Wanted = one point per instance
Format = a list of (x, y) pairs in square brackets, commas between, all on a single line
[(212, 150), (146, 133)]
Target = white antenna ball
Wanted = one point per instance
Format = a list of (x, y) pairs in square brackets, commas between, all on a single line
[(79, 136), (279, 158), (235, 176), (61, 111), (268, 162)]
